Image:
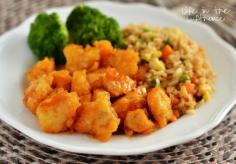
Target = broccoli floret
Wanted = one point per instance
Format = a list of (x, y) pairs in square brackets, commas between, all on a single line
[(48, 36), (87, 25)]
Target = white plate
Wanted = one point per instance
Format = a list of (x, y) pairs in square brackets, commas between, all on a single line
[(16, 58)]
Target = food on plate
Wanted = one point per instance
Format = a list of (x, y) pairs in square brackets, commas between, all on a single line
[(61, 79), (131, 101), (106, 50), (43, 67), (95, 78), (160, 106), (57, 112), (102, 89), (137, 121), (37, 91), (97, 117), (47, 37), (79, 58), (116, 83), (125, 61), (80, 84), (111, 80), (173, 61), (87, 25), (76, 96), (84, 26)]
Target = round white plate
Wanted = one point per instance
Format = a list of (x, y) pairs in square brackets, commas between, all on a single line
[(16, 58)]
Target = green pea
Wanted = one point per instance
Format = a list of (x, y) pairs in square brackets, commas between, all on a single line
[(142, 41), (167, 42), (184, 78), (153, 83), (145, 30)]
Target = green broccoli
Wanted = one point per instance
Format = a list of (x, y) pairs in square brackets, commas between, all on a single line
[(86, 25), (48, 36)]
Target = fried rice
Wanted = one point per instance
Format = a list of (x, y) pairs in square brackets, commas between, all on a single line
[(185, 73)]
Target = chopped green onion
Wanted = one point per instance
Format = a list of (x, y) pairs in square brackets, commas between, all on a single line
[(145, 30), (142, 41), (154, 37), (153, 83), (184, 78), (167, 42)]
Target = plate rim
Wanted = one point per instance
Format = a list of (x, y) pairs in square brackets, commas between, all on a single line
[(131, 151)]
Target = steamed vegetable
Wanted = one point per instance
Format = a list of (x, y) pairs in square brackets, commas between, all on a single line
[(87, 25), (48, 36)]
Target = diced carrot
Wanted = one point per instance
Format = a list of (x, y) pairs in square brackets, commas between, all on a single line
[(190, 42), (166, 52), (190, 88), (194, 79), (174, 101), (141, 74), (201, 49)]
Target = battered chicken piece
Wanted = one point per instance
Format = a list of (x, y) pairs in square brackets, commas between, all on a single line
[(95, 78), (160, 106), (116, 83), (91, 58), (85, 98), (78, 58), (37, 91), (125, 61), (112, 81), (131, 101), (61, 79), (58, 111), (72, 53), (79, 83), (97, 118), (106, 50), (42, 67), (137, 121), (141, 73)]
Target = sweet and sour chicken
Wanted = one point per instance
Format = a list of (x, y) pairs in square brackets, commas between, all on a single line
[(57, 112), (96, 93), (97, 117)]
